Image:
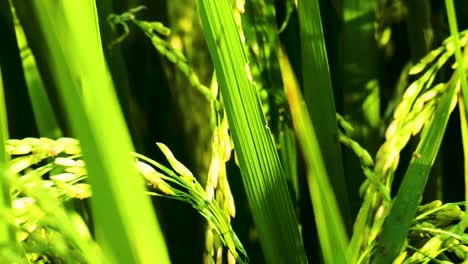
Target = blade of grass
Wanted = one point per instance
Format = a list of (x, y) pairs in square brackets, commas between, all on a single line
[(68, 34), (261, 171), (420, 38), (462, 99), (330, 226), (14, 82), (464, 133), (7, 236), (452, 19), (288, 155), (401, 215), (318, 95), (7, 233), (42, 109)]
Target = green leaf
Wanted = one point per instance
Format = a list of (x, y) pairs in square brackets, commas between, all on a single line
[(42, 109), (318, 95), (402, 212), (261, 170), (330, 227), (65, 38), (7, 236)]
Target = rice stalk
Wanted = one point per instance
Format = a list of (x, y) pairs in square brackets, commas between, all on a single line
[(187, 37), (400, 216), (418, 104), (435, 235), (43, 225), (153, 30), (458, 43), (217, 206), (462, 100), (218, 190), (217, 186), (411, 188), (67, 180), (367, 162)]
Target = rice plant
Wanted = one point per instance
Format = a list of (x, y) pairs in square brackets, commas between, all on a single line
[(232, 131)]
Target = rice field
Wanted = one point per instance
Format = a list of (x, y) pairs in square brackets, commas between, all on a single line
[(233, 131)]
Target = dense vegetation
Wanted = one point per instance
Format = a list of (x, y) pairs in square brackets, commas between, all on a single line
[(224, 131)]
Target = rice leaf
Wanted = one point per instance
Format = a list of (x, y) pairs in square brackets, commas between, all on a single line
[(462, 98), (44, 115), (318, 95), (66, 37), (402, 212), (7, 234), (452, 18), (261, 171), (330, 226)]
